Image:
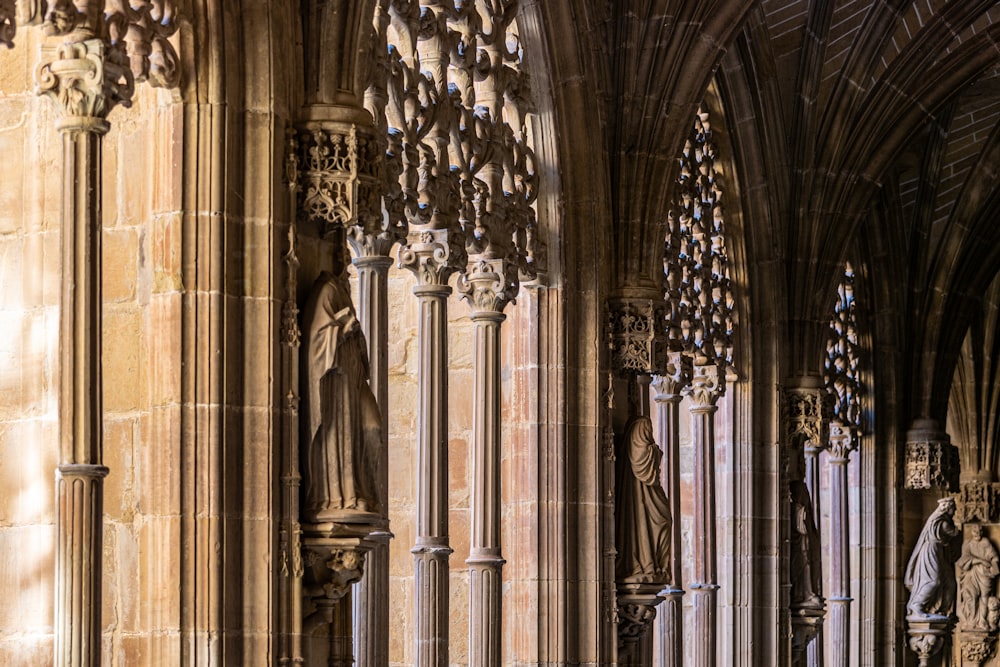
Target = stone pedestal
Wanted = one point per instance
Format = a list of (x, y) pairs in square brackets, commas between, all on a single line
[(927, 636), (807, 621), (636, 611)]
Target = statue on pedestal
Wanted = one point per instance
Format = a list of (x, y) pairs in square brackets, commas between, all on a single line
[(930, 574), (642, 513), (342, 420), (804, 565)]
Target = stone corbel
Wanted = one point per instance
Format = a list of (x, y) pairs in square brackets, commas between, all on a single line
[(87, 79), (636, 611), (333, 556), (977, 502), (638, 337), (927, 638), (931, 460), (805, 414), (977, 646)]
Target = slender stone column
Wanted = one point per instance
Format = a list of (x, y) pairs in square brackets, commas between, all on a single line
[(432, 256), (485, 286), (371, 597), (814, 651), (667, 396), (839, 626), (85, 85), (707, 385)]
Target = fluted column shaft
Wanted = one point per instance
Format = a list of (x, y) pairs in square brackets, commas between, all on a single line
[(79, 511), (704, 393), (371, 595), (485, 562), (431, 550), (839, 625), (670, 619)]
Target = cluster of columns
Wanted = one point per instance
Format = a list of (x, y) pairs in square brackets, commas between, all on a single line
[(703, 383), (808, 424), (470, 219)]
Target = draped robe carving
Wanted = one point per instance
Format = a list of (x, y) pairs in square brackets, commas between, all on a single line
[(642, 514), (930, 573), (342, 417), (977, 570), (805, 565)]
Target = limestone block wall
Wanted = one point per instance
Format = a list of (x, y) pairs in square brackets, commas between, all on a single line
[(141, 292), (29, 319)]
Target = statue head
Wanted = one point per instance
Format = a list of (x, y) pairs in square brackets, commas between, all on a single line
[(946, 506), (975, 531)]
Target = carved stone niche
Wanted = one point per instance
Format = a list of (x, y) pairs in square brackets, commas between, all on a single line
[(636, 611), (638, 337), (340, 177), (931, 460)]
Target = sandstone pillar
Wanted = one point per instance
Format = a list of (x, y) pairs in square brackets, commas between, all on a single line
[(707, 385), (839, 626), (667, 396)]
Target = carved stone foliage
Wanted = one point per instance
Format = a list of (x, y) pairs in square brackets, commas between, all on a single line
[(976, 647), (638, 344), (931, 464), (447, 88), (85, 78), (700, 317), (843, 353), (930, 572)]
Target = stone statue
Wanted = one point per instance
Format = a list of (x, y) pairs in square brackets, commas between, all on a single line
[(930, 574), (642, 514), (342, 419), (977, 570), (805, 566)]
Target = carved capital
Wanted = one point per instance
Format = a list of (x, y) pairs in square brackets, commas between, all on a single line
[(674, 379), (489, 284), (637, 338), (805, 416), (931, 460), (339, 178), (707, 386), (86, 79), (433, 255)]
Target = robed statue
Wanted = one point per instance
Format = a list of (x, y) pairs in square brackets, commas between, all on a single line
[(930, 574), (642, 513), (978, 568), (342, 420), (804, 562)]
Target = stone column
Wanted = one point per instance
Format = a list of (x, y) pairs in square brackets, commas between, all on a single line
[(839, 626), (667, 396), (86, 85), (707, 385), (371, 599), (486, 287), (428, 258)]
